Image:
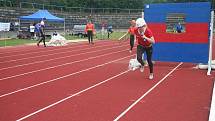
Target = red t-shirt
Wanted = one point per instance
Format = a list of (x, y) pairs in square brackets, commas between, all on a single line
[(89, 27), (139, 38), (131, 30)]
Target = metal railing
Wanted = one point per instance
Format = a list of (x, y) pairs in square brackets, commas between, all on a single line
[(77, 9), (6, 3)]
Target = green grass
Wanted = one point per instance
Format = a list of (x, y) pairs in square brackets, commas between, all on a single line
[(13, 42), (113, 36), (98, 36), (70, 37)]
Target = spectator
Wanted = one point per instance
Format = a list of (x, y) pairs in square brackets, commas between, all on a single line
[(131, 32), (31, 29), (178, 27), (103, 30), (90, 30), (12, 27), (109, 30)]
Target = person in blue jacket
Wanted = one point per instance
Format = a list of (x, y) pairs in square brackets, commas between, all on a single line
[(39, 29), (179, 27)]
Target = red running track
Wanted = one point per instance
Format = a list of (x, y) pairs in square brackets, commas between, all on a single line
[(98, 87)]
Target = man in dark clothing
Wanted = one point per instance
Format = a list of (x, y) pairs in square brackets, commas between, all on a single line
[(39, 28), (109, 30), (179, 28)]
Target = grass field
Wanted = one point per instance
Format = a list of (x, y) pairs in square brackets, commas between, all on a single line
[(113, 36), (15, 41)]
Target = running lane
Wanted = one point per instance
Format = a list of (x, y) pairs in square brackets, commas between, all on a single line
[(104, 102), (184, 96), (20, 104)]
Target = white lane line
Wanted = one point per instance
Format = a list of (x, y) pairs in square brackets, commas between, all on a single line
[(212, 110), (138, 100), (51, 67), (15, 49), (29, 48), (36, 62), (57, 49), (7, 61), (78, 72), (64, 99), (50, 50)]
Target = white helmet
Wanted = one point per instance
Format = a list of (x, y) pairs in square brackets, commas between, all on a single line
[(140, 22), (42, 23)]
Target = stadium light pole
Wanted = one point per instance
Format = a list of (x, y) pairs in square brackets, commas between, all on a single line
[(64, 24)]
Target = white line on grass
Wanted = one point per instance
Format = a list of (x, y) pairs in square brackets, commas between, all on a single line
[(68, 75), (36, 62), (52, 54), (138, 100), (62, 100)]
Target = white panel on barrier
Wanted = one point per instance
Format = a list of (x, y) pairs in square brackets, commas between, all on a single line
[(4, 26)]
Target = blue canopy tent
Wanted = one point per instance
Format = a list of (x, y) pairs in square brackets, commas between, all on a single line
[(41, 14)]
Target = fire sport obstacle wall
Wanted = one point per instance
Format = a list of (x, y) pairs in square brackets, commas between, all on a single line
[(194, 45), (189, 46)]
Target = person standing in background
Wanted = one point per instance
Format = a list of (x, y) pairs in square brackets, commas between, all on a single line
[(103, 30), (31, 29), (90, 30), (131, 32), (179, 27), (109, 30)]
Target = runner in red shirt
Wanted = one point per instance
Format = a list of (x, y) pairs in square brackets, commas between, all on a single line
[(145, 40), (131, 32)]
